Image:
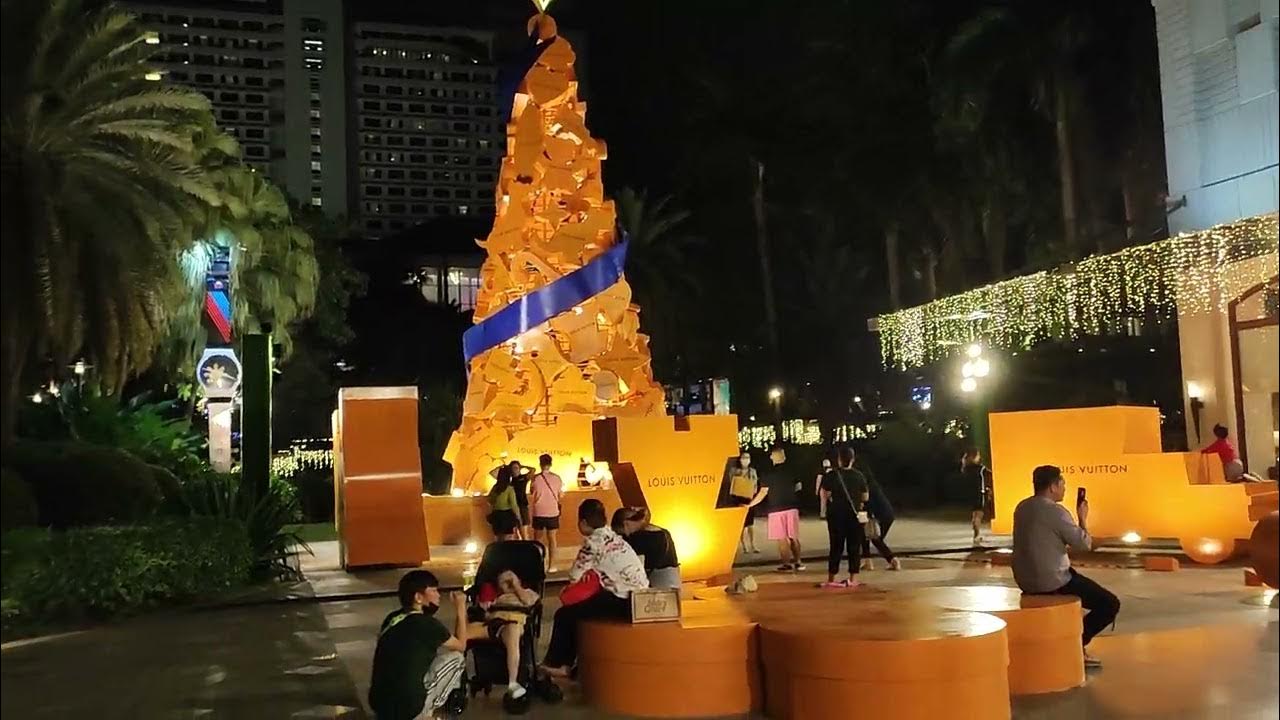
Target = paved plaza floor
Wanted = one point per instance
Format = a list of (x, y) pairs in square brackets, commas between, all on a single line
[(1195, 644)]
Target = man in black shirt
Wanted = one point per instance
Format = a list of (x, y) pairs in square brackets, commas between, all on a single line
[(417, 664), (781, 500)]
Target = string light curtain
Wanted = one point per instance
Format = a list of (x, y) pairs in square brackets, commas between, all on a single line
[(1095, 296)]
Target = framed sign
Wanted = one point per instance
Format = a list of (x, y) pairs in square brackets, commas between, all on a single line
[(655, 605), (218, 372)]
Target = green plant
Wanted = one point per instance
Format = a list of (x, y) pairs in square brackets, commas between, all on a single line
[(266, 518), (100, 572), (79, 484), (157, 432), (17, 503), (101, 188)]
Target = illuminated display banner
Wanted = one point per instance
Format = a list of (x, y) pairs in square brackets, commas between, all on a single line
[(677, 474), (1114, 453), (218, 372)]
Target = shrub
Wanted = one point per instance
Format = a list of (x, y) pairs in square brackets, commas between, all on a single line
[(315, 493), (76, 484), (159, 433), (17, 504), (99, 572), (266, 518)]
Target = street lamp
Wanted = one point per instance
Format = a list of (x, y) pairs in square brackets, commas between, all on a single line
[(968, 385), (775, 394)]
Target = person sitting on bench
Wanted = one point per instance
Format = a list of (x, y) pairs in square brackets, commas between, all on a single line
[(601, 579), (506, 608), (652, 543)]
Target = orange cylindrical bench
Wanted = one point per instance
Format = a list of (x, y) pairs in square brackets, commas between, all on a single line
[(913, 660), (705, 665), (1045, 654)]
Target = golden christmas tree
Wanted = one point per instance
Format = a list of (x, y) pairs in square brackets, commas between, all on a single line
[(557, 340)]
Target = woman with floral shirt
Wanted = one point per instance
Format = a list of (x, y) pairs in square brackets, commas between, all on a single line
[(604, 558)]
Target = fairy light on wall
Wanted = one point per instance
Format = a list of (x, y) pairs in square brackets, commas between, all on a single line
[(1098, 295), (299, 457), (757, 437)]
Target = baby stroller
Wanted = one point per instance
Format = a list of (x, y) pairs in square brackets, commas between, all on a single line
[(527, 559)]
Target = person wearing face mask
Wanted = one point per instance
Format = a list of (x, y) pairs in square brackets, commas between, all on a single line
[(418, 664), (744, 488)]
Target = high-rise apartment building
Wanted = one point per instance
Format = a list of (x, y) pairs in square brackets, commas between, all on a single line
[(428, 127), (389, 124)]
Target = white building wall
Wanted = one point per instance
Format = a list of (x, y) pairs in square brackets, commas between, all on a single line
[(1218, 79)]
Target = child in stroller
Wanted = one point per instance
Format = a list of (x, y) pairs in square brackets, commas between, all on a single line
[(506, 608), (504, 622)]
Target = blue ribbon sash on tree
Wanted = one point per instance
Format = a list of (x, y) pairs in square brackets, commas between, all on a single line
[(539, 306)]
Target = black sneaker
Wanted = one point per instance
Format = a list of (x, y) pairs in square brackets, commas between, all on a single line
[(456, 703), (785, 567)]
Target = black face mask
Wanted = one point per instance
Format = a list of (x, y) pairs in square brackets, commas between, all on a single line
[(430, 609)]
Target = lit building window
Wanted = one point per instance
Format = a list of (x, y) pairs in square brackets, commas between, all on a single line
[(461, 287), (315, 165), (429, 284), (316, 201)]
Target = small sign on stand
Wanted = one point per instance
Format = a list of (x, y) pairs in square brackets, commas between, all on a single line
[(655, 605)]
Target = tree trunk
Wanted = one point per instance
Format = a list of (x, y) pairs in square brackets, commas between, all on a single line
[(766, 267), (1066, 167), (891, 266), (930, 274), (1130, 208), (14, 350), (995, 234)]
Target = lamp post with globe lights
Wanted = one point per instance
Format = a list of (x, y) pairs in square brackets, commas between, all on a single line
[(974, 379)]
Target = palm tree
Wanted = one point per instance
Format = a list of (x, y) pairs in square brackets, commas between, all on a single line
[(100, 188), (275, 275), (1032, 51), (658, 263)]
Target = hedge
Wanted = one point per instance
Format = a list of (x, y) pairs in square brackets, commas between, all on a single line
[(98, 572), (17, 503), (77, 484)]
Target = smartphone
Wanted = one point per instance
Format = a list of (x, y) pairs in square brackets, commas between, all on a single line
[(1079, 496)]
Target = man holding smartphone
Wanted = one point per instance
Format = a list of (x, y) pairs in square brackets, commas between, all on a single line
[(1042, 532)]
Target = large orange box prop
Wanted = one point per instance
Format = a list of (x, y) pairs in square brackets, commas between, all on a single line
[(1114, 452), (675, 466), (378, 477)]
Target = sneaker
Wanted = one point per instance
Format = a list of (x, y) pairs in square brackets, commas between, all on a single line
[(1091, 662), (800, 567), (749, 584), (785, 567), (516, 691), (754, 551), (866, 565), (895, 564)]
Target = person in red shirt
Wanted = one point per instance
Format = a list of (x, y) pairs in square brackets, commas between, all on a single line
[(1232, 467), (1221, 446)]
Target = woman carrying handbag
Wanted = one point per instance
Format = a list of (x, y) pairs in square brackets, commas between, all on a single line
[(845, 490)]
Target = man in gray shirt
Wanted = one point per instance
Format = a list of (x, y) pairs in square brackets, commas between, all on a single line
[(1042, 531)]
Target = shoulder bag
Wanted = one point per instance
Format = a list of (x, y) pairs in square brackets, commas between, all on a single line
[(862, 514)]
